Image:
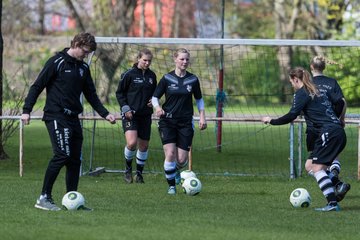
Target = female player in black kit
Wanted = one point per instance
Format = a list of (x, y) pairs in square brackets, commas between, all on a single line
[(331, 138), (134, 94), (176, 115), (331, 88)]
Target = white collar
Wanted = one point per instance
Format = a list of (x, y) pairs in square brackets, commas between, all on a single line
[(317, 74)]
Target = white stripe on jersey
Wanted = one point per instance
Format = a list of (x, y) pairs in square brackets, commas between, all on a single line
[(171, 78), (190, 79)]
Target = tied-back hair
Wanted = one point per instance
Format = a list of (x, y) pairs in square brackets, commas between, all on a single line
[(319, 63), (305, 77), (180, 50), (143, 52), (84, 39)]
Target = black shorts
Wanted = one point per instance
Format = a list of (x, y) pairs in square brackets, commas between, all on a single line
[(141, 124), (177, 131), (328, 145), (311, 136)]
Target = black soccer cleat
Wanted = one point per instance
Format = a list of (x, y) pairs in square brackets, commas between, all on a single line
[(128, 177), (139, 178), (340, 190)]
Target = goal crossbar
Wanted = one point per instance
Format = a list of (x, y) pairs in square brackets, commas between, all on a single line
[(224, 41)]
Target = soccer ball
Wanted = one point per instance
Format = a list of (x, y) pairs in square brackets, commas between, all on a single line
[(186, 174), (300, 198), (191, 186), (73, 200)]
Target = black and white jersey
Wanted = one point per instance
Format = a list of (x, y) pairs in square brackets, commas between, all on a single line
[(317, 110), (135, 90), (330, 87), (64, 78), (178, 94)]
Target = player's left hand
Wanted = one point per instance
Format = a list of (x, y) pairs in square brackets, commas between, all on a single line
[(129, 115), (202, 125), (266, 120), (111, 118)]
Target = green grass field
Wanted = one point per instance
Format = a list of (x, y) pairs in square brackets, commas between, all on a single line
[(229, 207)]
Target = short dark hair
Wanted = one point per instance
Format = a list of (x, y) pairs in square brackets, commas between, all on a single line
[(84, 39)]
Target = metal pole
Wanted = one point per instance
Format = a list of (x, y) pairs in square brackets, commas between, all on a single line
[(21, 148), (359, 151), (291, 158), (300, 127), (221, 83)]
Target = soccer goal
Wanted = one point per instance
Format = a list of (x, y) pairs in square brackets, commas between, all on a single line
[(241, 80)]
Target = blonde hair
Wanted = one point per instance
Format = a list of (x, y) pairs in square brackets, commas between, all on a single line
[(319, 63), (305, 77), (180, 50)]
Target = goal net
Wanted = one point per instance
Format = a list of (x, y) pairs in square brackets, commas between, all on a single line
[(241, 80)]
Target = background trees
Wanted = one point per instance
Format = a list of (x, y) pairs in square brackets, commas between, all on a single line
[(34, 29)]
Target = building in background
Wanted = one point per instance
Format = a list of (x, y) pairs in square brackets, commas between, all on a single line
[(164, 18)]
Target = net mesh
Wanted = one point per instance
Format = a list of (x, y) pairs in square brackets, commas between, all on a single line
[(255, 84)]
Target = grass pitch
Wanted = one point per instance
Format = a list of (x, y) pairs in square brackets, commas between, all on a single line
[(229, 207)]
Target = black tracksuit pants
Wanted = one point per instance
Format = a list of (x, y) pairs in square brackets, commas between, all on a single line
[(66, 140)]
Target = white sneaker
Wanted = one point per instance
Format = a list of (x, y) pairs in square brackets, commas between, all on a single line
[(172, 190)]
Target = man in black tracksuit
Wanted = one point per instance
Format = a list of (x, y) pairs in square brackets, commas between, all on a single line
[(65, 76)]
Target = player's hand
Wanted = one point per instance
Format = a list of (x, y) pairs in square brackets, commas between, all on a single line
[(266, 120), (202, 125), (129, 115), (25, 118), (149, 104), (159, 112), (111, 118)]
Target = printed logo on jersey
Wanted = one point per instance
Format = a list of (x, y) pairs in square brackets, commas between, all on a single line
[(329, 110), (294, 101), (173, 86), (151, 81), (138, 80), (189, 88), (81, 71)]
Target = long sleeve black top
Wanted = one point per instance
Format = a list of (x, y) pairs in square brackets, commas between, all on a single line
[(135, 90), (64, 78)]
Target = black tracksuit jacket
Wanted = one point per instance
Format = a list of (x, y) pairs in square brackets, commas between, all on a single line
[(135, 89), (64, 78)]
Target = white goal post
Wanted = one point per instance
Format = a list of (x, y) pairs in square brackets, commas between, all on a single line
[(221, 61)]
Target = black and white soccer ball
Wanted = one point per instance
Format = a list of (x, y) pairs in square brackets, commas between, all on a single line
[(73, 200), (191, 186), (300, 198), (186, 174)]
